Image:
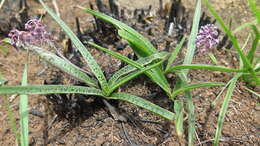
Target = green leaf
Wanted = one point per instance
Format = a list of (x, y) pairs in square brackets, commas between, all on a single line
[(174, 54), (220, 93), (146, 45), (117, 55), (178, 109), (144, 104), (138, 47), (4, 50), (204, 66), (193, 86), (133, 75), (7, 41), (189, 107), (153, 74), (244, 25), (252, 51), (142, 61), (192, 39), (23, 111), (191, 118), (224, 108), (64, 65), (11, 118), (82, 49), (253, 92), (158, 75), (49, 89), (256, 11), (183, 75), (213, 58)]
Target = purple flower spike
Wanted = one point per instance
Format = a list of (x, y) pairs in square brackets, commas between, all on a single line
[(36, 34), (207, 37)]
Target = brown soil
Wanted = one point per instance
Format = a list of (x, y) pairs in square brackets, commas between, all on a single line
[(97, 126)]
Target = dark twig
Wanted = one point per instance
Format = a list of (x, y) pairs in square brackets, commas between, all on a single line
[(94, 24), (79, 33), (23, 12), (150, 121), (126, 135), (100, 6), (114, 112), (114, 8), (45, 123), (36, 113), (161, 8)]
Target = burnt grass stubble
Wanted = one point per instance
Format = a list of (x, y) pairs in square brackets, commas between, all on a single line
[(76, 108)]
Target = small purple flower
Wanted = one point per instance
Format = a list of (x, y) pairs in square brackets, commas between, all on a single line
[(207, 37), (31, 24), (14, 35), (26, 37), (36, 34)]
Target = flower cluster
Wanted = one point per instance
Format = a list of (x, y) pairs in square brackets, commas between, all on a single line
[(207, 37), (35, 34)]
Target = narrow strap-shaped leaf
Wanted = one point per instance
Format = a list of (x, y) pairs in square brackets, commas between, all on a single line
[(144, 104), (252, 51), (49, 89), (117, 55), (132, 75), (193, 86), (11, 118), (64, 65), (178, 109), (153, 74), (256, 11), (213, 103), (224, 108), (253, 92), (183, 75), (191, 118), (142, 61), (157, 74), (204, 66), (148, 46), (174, 54), (23, 111), (82, 49), (192, 39), (136, 44), (213, 58), (159, 78), (244, 25)]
